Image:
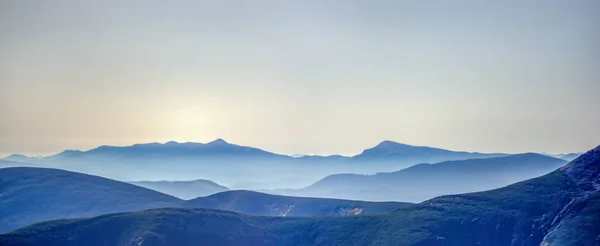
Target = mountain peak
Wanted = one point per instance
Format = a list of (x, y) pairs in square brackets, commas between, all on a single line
[(16, 156), (386, 144), (71, 151), (585, 170), (218, 141)]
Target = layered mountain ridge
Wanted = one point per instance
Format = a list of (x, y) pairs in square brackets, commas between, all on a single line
[(425, 181), (29, 195), (232, 165), (385, 149), (560, 208)]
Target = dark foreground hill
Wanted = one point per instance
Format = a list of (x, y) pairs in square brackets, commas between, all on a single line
[(255, 203), (31, 195), (560, 208)]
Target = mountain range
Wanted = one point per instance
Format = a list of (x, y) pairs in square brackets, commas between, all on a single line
[(559, 208), (397, 152), (218, 147), (231, 165), (241, 167), (30, 195), (425, 181), (384, 151)]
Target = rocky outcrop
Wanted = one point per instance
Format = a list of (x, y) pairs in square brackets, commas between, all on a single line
[(585, 171), (582, 213)]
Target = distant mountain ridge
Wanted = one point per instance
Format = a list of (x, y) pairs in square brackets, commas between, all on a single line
[(389, 150), (243, 167), (231, 164), (425, 181), (19, 157), (570, 156), (184, 189), (170, 149), (559, 208), (566, 157), (384, 150)]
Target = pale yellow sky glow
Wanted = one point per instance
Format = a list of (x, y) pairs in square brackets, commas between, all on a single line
[(310, 77)]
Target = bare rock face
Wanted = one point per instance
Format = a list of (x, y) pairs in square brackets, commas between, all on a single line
[(350, 211), (576, 223)]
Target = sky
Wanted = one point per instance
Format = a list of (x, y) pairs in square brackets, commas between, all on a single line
[(309, 77)]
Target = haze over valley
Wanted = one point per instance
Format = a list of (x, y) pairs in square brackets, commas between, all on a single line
[(189, 170)]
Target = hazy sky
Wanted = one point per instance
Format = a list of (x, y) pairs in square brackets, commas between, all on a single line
[(313, 77)]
